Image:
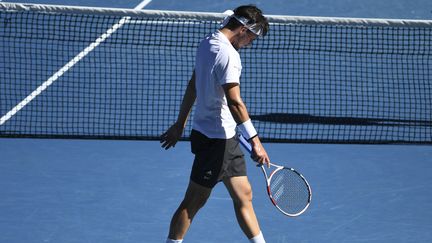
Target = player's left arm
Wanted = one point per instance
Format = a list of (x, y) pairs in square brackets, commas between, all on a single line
[(173, 134)]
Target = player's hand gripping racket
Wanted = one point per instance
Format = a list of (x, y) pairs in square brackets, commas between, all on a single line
[(288, 190)]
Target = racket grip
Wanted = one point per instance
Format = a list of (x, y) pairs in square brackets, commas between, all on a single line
[(245, 143)]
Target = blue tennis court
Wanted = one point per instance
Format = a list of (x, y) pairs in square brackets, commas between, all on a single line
[(104, 191), (126, 191)]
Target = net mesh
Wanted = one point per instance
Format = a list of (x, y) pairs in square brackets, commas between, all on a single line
[(332, 81)]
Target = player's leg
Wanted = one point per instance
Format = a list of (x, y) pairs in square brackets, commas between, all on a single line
[(241, 193), (195, 197)]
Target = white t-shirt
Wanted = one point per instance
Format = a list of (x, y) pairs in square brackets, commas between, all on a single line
[(217, 63)]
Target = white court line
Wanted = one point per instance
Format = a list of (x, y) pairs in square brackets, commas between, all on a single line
[(69, 65), (142, 5)]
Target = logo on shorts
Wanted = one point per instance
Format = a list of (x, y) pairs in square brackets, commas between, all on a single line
[(208, 175)]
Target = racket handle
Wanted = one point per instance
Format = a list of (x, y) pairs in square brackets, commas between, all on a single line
[(245, 143)]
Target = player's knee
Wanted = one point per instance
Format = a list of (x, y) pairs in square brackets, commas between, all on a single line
[(195, 198), (245, 197), (200, 202), (248, 194), (193, 204)]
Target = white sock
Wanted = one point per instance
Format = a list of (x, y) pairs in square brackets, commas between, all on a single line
[(173, 241), (257, 239)]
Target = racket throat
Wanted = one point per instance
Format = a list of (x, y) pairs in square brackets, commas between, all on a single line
[(270, 195)]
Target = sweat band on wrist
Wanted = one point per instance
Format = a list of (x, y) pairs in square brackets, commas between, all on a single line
[(247, 129)]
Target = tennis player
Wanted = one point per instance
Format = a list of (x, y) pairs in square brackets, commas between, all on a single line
[(214, 86)]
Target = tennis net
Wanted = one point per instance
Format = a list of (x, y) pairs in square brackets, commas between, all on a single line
[(76, 72)]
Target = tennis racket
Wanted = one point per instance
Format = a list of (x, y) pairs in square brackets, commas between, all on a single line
[(288, 189)]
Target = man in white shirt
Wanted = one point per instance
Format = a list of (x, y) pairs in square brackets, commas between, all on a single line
[(214, 87)]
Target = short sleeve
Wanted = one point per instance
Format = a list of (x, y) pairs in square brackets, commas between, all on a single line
[(227, 67)]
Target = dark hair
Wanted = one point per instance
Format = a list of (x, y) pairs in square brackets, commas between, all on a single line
[(252, 13)]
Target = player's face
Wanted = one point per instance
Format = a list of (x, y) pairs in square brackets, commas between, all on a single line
[(244, 38), (250, 37)]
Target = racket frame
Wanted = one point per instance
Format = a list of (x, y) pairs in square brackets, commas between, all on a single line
[(268, 178)]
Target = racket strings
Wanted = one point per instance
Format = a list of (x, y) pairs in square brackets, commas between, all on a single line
[(289, 191)]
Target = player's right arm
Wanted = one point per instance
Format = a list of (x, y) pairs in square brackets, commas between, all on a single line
[(240, 114)]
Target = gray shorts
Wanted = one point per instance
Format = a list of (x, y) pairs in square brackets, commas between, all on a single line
[(215, 159)]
